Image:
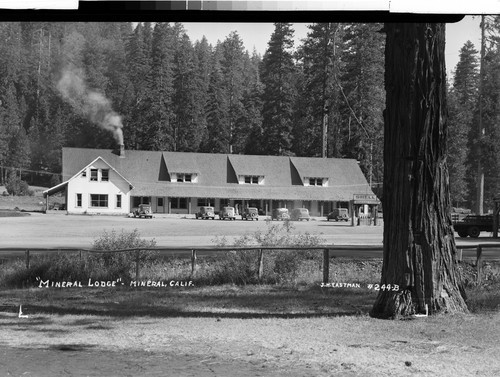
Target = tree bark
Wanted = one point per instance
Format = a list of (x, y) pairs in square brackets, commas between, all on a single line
[(419, 246)]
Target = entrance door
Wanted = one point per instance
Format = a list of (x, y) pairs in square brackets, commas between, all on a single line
[(160, 205)]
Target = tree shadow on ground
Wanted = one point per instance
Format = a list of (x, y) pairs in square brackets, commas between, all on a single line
[(204, 302)]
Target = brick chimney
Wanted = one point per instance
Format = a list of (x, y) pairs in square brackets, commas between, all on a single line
[(122, 151)]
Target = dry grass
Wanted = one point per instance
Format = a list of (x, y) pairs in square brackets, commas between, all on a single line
[(313, 331), (282, 330)]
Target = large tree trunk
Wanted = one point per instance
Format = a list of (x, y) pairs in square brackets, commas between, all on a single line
[(419, 244)]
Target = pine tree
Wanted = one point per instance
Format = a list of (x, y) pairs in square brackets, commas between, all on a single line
[(160, 125), (252, 102), (277, 75), (490, 112), (187, 132), (319, 94), (138, 57), (232, 65), (462, 106), (362, 98), (217, 137), (203, 66)]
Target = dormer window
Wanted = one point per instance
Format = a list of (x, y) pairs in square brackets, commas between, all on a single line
[(251, 179), (315, 181), (183, 177), (93, 175)]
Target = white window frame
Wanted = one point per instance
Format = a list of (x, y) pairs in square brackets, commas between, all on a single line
[(91, 202), (96, 175)]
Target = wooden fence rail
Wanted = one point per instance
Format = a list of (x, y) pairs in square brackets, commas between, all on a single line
[(326, 249)]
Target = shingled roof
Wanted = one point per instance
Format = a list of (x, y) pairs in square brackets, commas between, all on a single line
[(217, 174)]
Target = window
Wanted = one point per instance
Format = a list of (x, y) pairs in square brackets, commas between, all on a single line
[(84, 173), (98, 200), (206, 202), (78, 200), (136, 200), (315, 181), (184, 177), (179, 203), (104, 175), (118, 201), (159, 202), (93, 175), (252, 179)]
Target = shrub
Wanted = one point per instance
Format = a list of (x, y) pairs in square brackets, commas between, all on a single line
[(280, 266), (66, 266), (120, 264), (54, 267), (16, 186)]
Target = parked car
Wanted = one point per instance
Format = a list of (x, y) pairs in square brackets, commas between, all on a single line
[(300, 214), (339, 214), (144, 210), (227, 213), (280, 214), (205, 213), (250, 213)]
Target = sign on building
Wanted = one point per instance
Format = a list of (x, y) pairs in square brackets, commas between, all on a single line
[(365, 199)]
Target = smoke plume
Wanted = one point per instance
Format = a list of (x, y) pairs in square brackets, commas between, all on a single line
[(89, 103)]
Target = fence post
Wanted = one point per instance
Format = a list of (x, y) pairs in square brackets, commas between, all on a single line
[(27, 259), (136, 265), (193, 262), (326, 265), (479, 262), (459, 255), (261, 264)]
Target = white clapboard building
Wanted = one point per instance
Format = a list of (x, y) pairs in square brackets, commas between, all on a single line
[(107, 181)]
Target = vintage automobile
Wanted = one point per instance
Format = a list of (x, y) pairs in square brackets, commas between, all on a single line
[(250, 213), (338, 214), (280, 214), (227, 213), (205, 213), (300, 214), (144, 210), (473, 225)]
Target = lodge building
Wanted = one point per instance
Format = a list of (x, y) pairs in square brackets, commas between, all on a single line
[(100, 181)]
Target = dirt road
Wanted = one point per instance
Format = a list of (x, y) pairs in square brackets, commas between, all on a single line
[(69, 345)]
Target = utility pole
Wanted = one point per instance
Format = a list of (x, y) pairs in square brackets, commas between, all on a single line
[(328, 61), (480, 172)]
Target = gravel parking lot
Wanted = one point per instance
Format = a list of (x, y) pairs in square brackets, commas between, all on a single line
[(59, 230)]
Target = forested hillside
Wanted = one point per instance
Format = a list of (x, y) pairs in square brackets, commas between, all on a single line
[(86, 84)]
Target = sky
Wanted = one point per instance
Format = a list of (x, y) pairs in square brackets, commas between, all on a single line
[(257, 35)]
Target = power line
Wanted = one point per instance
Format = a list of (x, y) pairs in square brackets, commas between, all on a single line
[(28, 170)]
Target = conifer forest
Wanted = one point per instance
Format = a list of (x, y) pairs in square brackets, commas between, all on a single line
[(150, 87)]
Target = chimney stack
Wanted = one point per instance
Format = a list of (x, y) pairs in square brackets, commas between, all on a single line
[(122, 151)]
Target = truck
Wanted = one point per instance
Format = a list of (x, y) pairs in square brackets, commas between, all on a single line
[(473, 225)]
